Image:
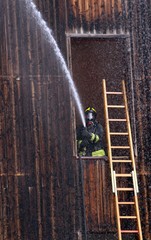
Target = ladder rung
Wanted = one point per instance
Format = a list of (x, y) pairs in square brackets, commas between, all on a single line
[(128, 217), (123, 175), (118, 133), (121, 161), (125, 189), (114, 93), (117, 120), (129, 231), (115, 106), (126, 203), (120, 157), (125, 147)]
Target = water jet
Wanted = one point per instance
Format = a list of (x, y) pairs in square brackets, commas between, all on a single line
[(33, 11)]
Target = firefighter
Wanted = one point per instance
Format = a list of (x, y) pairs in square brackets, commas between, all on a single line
[(89, 138)]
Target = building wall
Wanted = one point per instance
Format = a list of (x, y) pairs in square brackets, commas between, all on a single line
[(94, 18), (39, 177), (38, 181), (98, 16)]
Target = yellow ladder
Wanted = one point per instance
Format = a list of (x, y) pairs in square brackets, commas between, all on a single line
[(122, 163)]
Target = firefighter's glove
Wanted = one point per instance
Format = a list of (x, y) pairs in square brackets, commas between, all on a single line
[(86, 134), (84, 143)]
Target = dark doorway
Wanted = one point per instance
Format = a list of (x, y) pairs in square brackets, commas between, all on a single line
[(94, 59)]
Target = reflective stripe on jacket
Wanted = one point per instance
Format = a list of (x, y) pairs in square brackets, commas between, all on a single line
[(99, 153)]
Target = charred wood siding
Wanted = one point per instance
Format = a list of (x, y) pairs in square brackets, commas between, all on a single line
[(100, 214), (141, 45), (98, 16), (134, 18), (38, 181)]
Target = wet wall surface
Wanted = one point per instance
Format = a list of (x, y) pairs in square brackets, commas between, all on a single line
[(38, 174)]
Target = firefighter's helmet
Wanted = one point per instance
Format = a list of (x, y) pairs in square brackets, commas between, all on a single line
[(90, 114)]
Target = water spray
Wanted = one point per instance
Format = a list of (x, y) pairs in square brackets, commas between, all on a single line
[(33, 11)]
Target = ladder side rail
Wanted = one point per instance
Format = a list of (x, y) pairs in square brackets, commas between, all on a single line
[(136, 204), (117, 207), (128, 126), (133, 162), (107, 124), (113, 177), (108, 133)]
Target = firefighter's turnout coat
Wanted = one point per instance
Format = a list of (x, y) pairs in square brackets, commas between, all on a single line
[(91, 144)]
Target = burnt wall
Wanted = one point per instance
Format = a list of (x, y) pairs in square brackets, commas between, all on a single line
[(36, 153), (37, 172), (98, 16), (140, 35), (113, 18)]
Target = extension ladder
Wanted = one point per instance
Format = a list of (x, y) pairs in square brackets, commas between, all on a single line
[(122, 163)]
